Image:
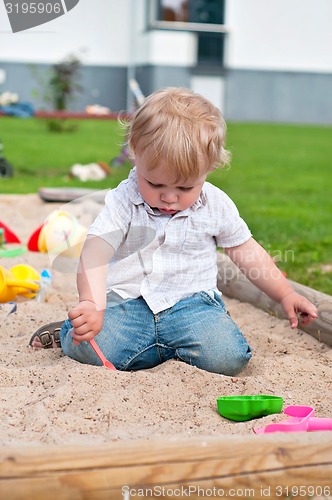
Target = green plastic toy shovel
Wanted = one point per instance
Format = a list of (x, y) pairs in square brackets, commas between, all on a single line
[(242, 408)]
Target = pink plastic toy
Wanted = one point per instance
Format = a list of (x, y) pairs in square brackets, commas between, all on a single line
[(302, 420), (101, 356)]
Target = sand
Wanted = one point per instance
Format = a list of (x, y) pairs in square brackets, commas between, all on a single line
[(49, 399)]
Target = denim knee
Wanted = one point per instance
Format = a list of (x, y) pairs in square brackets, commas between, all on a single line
[(230, 366), (220, 361), (211, 340)]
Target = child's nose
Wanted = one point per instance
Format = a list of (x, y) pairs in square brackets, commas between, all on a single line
[(168, 196)]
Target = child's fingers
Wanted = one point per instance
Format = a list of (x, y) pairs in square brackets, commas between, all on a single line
[(307, 314), (306, 318), (293, 322), (74, 313), (291, 313), (292, 317), (308, 311), (80, 338), (80, 327)]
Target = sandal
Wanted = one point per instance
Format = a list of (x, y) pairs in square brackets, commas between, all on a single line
[(47, 334)]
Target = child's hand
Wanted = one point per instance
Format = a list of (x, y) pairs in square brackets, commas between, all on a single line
[(87, 321), (294, 304)]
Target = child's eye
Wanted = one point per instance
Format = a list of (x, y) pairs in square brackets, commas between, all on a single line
[(155, 185), (185, 188)]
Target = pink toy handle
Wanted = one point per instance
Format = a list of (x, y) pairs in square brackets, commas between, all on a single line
[(319, 424), (101, 356)]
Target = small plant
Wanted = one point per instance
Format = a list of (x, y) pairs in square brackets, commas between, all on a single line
[(59, 86), (63, 83)]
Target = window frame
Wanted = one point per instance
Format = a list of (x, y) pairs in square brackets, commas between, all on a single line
[(203, 66), (155, 23)]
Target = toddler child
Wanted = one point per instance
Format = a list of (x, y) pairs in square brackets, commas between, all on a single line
[(147, 277)]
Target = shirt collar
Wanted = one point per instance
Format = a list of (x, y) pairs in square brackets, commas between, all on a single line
[(134, 194), (136, 198)]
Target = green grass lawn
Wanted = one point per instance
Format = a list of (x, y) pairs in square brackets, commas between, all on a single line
[(280, 179), (43, 159)]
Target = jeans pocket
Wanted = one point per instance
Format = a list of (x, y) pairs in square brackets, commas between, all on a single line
[(212, 298)]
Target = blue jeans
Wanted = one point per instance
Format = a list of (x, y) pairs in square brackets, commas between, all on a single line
[(196, 330)]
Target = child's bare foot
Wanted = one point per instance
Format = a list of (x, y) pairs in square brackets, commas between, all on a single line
[(47, 336)]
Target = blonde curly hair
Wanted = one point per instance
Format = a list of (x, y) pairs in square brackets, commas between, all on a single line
[(181, 130)]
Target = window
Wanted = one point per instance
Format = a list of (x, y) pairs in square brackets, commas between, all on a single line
[(206, 17)]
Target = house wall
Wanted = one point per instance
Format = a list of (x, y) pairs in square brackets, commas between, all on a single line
[(278, 66), (279, 35), (113, 44), (96, 30)]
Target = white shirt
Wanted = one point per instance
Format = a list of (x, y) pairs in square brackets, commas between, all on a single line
[(166, 258)]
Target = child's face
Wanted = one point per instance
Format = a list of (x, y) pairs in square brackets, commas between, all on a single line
[(159, 191)]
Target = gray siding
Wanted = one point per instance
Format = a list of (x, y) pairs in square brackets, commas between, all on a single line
[(261, 96), (101, 85), (272, 96), (151, 78)]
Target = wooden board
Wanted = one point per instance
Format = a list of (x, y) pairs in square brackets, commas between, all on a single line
[(71, 194), (254, 466)]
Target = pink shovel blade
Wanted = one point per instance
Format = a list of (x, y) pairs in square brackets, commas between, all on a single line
[(300, 417), (302, 420), (101, 356)]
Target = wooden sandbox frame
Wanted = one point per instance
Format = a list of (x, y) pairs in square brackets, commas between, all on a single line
[(253, 466), (257, 466)]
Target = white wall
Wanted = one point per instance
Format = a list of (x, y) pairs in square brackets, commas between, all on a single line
[(157, 47), (100, 32), (211, 87), (292, 35), (172, 48), (95, 29)]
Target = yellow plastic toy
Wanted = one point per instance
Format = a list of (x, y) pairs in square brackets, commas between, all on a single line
[(61, 234), (15, 283)]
